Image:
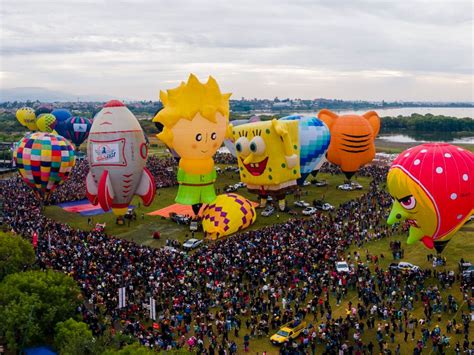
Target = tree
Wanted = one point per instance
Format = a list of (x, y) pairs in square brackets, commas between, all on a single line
[(15, 254), (32, 302), (73, 337)]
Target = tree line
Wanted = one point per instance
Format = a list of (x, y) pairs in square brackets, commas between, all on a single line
[(427, 123)]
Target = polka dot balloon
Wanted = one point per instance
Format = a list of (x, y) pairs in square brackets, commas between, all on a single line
[(433, 192)]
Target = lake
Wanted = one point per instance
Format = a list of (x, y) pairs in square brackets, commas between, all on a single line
[(459, 112), (421, 138)]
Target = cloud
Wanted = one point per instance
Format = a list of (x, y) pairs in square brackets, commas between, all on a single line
[(346, 49)]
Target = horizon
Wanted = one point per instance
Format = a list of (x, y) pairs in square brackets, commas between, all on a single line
[(349, 50)]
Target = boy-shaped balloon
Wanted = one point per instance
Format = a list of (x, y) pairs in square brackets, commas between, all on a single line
[(194, 121)]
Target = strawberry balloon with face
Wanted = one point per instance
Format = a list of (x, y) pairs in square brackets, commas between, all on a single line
[(433, 190)]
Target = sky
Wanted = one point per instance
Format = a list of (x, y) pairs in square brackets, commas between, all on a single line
[(344, 49)]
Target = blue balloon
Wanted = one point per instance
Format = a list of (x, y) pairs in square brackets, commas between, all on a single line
[(314, 142), (61, 114)]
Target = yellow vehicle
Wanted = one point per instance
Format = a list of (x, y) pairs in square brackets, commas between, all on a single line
[(288, 331)]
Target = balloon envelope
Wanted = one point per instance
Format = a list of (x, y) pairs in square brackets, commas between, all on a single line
[(46, 123), (352, 139), (27, 117), (44, 161), (77, 129), (43, 109), (61, 114), (228, 214), (314, 142), (432, 186)]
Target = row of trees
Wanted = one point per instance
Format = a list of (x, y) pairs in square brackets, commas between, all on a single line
[(39, 307), (427, 123)]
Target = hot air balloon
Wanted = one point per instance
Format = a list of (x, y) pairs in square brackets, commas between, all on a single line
[(433, 190), (43, 109), (44, 161), (228, 142), (229, 213), (46, 123), (61, 115), (77, 130), (268, 156), (194, 123), (117, 154), (314, 141), (352, 139), (27, 117)]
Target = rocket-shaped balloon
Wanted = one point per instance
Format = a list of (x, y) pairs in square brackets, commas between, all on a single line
[(117, 154)]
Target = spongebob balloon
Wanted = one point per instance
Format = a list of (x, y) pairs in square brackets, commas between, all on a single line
[(433, 190), (268, 155), (194, 122)]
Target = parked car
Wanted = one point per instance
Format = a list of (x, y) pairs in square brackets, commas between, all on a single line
[(407, 267), (268, 211), (287, 332), (321, 205), (308, 211), (345, 187), (191, 244), (343, 267), (356, 186), (301, 204)]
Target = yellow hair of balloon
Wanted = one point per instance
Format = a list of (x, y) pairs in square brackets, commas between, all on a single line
[(189, 99)]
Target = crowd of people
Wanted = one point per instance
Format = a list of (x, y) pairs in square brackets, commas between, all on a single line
[(222, 297)]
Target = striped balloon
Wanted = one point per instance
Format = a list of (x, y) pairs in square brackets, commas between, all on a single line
[(44, 161), (77, 129)]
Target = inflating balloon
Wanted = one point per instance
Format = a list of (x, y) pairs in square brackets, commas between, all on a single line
[(44, 161), (43, 109), (46, 123), (268, 156), (77, 130), (314, 142), (229, 143), (27, 117), (117, 154), (433, 190), (229, 213), (194, 122), (352, 139), (61, 115)]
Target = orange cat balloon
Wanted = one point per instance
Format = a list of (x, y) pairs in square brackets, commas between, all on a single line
[(352, 139)]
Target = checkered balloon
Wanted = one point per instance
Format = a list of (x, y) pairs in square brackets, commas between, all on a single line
[(44, 161), (314, 142), (228, 214)]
